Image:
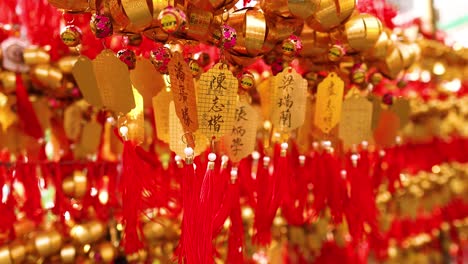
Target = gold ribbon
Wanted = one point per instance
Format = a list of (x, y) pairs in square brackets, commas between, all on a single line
[(250, 26), (138, 13), (118, 14), (199, 22), (363, 31), (330, 14)]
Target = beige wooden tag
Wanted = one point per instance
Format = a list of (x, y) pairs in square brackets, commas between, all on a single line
[(387, 128), (83, 72), (91, 137), (356, 121), (240, 141), (146, 79), (113, 80), (288, 99), (304, 136), (72, 119), (41, 107), (183, 92), (264, 90), (135, 120), (376, 109), (177, 137), (401, 107), (217, 96), (161, 114), (329, 101)]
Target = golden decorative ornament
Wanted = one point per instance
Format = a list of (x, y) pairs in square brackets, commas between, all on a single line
[(80, 184), (8, 80), (68, 186), (120, 19), (138, 13), (303, 8), (34, 55), (392, 65), (330, 14), (278, 30), (153, 230), (47, 76), (251, 29), (363, 31), (107, 252), (95, 230), (198, 22), (23, 227), (71, 36), (5, 255), (156, 34), (381, 47), (65, 64), (157, 6), (79, 234), (68, 254), (17, 252), (47, 243), (71, 5)]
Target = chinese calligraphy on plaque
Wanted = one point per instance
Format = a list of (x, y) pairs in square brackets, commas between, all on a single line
[(288, 100), (240, 141), (329, 101), (217, 95), (356, 121), (183, 91)]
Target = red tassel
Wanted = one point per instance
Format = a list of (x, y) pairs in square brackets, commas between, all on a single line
[(186, 250), (7, 202), (262, 233), (131, 188), (26, 112), (205, 215), (26, 173), (236, 230)]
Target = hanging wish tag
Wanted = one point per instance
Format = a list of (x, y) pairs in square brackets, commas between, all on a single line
[(72, 118), (376, 109), (178, 139), (264, 90), (240, 141), (304, 135), (401, 107), (217, 96), (135, 120), (288, 99), (183, 92), (83, 72), (329, 101), (90, 137), (161, 114), (113, 81), (356, 121), (387, 129), (146, 79)]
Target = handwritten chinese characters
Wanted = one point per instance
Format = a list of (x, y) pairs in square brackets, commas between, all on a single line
[(288, 100), (183, 92), (329, 101), (240, 141), (217, 95)]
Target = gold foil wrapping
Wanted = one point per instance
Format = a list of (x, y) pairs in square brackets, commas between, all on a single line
[(251, 29), (330, 14), (363, 31)]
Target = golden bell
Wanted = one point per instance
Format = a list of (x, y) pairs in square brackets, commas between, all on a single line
[(71, 5), (8, 80), (17, 252), (107, 252), (5, 255), (65, 64), (48, 243), (363, 31), (251, 29), (330, 14), (80, 184), (68, 254), (153, 230), (47, 76), (35, 55), (95, 230)]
